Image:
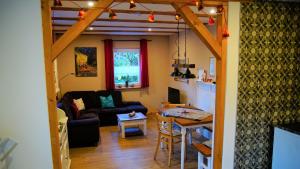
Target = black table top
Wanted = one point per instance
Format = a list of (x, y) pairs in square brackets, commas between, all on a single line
[(294, 127)]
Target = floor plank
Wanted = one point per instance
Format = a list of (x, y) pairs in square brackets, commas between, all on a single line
[(131, 153)]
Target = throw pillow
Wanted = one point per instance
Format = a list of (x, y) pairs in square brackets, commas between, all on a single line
[(107, 102), (75, 111), (79, 104)]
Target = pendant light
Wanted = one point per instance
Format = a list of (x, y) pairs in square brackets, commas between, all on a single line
[(81, 13), (187, 74), (211, 21), (151, 17), (176, 71)]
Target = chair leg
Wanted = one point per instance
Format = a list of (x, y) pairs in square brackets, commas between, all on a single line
[(157, 146), (170, 142)]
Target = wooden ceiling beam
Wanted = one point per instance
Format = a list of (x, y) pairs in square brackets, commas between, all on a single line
[(74, 31), (207, 3), (199, 28), (114, 26), (117, 20), (125, 11)]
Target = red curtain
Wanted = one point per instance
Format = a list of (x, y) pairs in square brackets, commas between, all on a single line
[(144, 63), (109, 64)]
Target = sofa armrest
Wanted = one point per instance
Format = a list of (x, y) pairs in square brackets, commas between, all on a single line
[(129, 103), (84, 122)]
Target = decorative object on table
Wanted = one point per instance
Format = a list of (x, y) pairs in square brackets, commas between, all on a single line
[(132, 114), (86, 61)]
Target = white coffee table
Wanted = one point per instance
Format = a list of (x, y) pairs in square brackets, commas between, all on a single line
[(124, 121)]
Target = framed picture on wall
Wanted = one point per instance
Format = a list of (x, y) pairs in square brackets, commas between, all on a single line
[(86, 61), (212, 66)]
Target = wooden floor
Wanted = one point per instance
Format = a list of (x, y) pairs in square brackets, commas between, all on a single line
[(130, 153)]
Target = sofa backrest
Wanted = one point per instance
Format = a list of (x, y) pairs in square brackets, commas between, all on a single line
[(89, 98), (116, 95)]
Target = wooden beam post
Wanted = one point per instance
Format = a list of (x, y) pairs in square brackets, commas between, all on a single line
[(51, 95), (74, 31), (199, 28), (220, 91)]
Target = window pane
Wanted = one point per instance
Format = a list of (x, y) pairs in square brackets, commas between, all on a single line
[(126, 66)]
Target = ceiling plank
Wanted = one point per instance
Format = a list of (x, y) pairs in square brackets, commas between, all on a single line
[(117, 31), (113, 26), (74, 31), (117, 20), (124, 11), (199, 28)]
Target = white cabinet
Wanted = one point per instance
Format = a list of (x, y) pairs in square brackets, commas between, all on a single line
[(64, 143)]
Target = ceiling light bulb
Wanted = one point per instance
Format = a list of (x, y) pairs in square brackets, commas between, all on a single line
[(177, 16), (149, 29), (212, 11), (91, 28), (90, 3)]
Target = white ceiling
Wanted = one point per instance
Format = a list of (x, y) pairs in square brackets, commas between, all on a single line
[(135, 16)]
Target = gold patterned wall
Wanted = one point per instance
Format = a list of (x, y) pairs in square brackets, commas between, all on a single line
[(269, 78)]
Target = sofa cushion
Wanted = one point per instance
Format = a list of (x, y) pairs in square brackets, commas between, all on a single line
[(116, 95), (107, 102), (75, 111), (87, 115), (89, 98), (79, 104)]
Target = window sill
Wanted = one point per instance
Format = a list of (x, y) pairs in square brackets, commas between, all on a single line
[(128, 88)]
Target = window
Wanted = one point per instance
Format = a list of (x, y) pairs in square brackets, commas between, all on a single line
[(127, 68)]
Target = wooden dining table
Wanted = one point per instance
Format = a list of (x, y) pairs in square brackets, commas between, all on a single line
[(186, 124)]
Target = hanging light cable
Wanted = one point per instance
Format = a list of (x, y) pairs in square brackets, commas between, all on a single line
[(187, 74), (176, 71)]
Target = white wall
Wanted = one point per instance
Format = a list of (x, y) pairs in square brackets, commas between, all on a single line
[(23, 113), (231, 85)]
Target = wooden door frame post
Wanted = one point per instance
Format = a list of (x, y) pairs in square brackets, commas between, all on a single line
[(51, 94)]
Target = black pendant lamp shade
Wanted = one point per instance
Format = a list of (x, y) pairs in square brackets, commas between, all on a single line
[(176, 72), (188, 74)]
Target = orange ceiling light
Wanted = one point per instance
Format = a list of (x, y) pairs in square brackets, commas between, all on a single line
[(151, 17), (211, 21), (81, 13)]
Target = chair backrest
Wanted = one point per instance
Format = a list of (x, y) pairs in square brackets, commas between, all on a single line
[(165, 123)]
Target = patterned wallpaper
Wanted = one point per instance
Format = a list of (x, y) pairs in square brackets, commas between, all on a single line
[(269, 78)]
